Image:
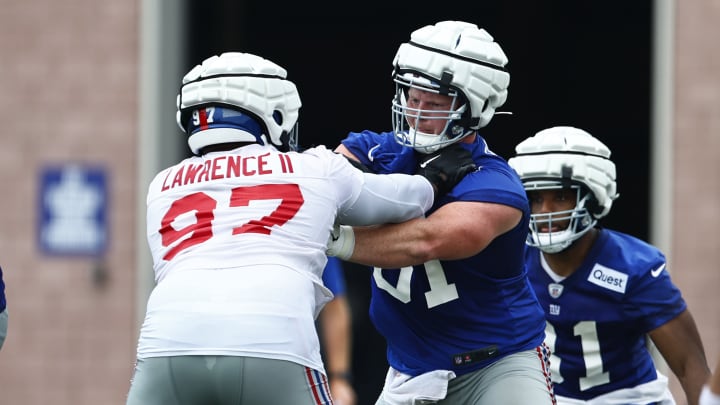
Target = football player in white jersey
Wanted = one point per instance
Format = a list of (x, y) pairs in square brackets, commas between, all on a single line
[(604, 292), (237, 234)]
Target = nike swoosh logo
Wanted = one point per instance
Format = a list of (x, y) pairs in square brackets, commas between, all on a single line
[(370, 152), (656, 272), (425, 163)]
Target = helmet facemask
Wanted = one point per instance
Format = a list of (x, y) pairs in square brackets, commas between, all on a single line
[(405, 118), (575, 222), (288, 140)]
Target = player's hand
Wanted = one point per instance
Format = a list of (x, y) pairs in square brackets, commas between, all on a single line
[(341, 242), (342, 392), (446, 167)]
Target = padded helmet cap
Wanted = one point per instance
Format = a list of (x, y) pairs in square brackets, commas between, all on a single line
[(248, 84)]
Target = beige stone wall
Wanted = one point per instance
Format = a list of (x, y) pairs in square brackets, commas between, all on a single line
[(696, 213), (68, 93)]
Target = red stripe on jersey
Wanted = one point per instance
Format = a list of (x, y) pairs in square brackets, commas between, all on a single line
[(289, 163), (203, 119)]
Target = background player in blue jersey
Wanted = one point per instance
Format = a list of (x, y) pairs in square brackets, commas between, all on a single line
[(603, 291), (450, 293), (335, 322), (3, 312)]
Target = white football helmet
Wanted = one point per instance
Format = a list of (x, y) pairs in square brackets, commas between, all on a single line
[(562, 157), (250, 99), (456, 59)]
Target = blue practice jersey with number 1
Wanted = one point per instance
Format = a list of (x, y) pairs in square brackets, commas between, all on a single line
[(458, 315), (598, 316)]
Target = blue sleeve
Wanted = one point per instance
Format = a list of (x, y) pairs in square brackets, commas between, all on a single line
[(380, 153), (654, 300), (333, 276), (492, 183), (3, 303)]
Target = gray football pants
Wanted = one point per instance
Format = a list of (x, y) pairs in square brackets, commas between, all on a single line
[(221, 380), (518, 379)]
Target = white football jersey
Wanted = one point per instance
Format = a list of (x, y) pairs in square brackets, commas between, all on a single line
[(238, 244)]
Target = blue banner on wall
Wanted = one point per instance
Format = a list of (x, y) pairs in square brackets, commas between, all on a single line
[(73, 204)]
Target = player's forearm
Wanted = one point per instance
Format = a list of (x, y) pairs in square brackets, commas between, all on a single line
[(393, 245), (711, 391), (681, 346), (692, 371), (714, 382), (336, 326), (692, 383)]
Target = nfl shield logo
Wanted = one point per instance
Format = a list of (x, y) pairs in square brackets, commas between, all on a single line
[(555, 290)]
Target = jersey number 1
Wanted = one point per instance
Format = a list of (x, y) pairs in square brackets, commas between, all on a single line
[(594, 375)]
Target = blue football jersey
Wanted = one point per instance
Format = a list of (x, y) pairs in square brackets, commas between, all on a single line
[(458, 315), (598, 317), (333, 276)]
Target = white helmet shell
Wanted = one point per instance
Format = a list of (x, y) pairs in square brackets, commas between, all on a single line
[(243, 82), (565, 156), (456, 57)]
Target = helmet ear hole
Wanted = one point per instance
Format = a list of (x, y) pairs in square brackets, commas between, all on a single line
[(466, 120), (593, 206), (461, 120), (277, 116), (485, 105)]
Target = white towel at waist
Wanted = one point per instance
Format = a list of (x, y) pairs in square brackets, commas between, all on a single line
[(428, 388)]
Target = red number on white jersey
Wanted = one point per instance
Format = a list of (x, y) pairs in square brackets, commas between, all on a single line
[(203, 206)]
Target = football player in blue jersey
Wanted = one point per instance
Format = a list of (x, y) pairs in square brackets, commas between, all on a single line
[(449, 291), (3, 312), (603, 292)]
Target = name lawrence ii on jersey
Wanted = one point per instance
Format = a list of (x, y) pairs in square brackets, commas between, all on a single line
[(222, 167)]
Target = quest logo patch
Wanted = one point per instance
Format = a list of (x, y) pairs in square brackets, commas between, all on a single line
[(606, 277)]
